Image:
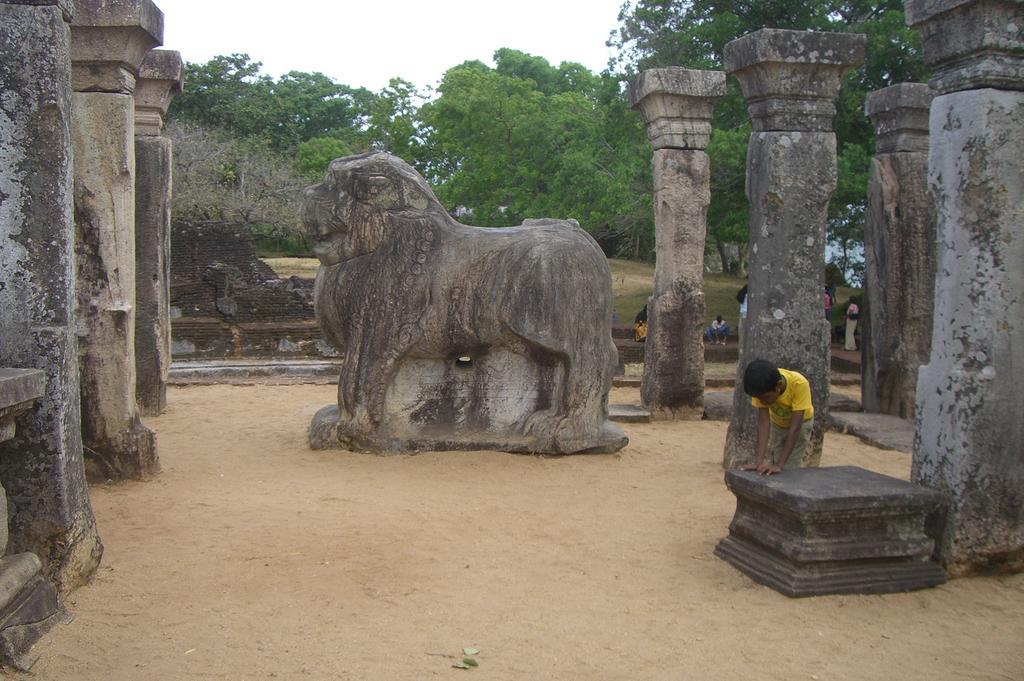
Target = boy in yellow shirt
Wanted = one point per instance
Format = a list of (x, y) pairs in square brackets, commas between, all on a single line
[(784, 419)]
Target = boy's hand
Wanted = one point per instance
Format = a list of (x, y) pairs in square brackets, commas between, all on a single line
[(768, 469), (749, 467)]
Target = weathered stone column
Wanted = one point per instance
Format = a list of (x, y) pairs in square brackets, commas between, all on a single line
[(108, 43), (790, 80), (160, 78), (899, 251), (969, 439), (41, 468), (676, 104)]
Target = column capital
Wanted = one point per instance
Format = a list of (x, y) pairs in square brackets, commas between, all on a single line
[(677, 104), (67, 7), (900, 115), (971, 44), (790, 79), (109, 39), (160, 79)]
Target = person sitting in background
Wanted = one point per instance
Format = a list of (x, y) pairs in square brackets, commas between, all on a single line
[(717, 332), (640, 326)]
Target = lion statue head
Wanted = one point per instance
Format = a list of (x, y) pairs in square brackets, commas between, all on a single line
[(347, 214)]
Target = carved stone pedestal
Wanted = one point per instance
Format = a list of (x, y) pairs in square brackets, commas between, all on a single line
[(29, 609), (28, 602), (815, 531)]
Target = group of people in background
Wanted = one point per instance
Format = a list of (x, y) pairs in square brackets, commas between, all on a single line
[(718, 331)]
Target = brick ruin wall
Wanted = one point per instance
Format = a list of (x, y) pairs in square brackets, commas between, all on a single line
[(227, 303)]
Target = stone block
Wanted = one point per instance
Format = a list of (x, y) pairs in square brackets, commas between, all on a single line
[(878, 430), (900, 115), (790, 79), (109, 39), (67, 7), (20, 385), (160, 79), (971, 44), (815, 531), (29, 608), (677, 105), (628, 413), (19, 388)]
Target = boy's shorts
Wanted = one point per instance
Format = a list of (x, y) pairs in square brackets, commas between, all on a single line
[(777, 439)]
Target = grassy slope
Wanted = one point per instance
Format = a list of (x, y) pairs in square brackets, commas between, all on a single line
[(631, 286), (632, 283)]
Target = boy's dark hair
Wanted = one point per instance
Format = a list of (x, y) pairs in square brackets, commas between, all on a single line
[(759, 377)]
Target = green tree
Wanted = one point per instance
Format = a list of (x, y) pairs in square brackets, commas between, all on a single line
[(394, 121), (314, 155), (229, 93), (308, 105), (729, 212), (526, 139), (246, 145)]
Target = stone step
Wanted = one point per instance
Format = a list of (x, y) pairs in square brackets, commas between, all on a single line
[(715, 381), (879, 430), (628, 413), (241, 371)]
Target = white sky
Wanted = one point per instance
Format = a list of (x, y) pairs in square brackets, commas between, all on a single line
[(367, 42)]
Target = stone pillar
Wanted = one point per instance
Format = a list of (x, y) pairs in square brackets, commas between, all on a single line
[(899, 251), (41, 468), (160, 78), (970, 395), (676, 104), (790, 80), (108, 43)]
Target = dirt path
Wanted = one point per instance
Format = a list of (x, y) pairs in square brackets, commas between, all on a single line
[(252, 557)]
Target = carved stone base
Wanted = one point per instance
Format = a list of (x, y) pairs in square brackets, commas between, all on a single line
[(327, 431), (130, 455), (816, 579), (29, 608), (815, 531)]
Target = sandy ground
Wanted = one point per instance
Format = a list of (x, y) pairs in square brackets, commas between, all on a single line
[(253, 557)]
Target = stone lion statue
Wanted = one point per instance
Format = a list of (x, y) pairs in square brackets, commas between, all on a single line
[(456, 337)]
